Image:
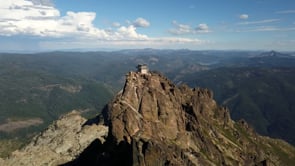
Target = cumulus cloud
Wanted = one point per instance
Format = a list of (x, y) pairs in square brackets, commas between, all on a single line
[(129, 33), (40, 18), (42, 2), (244, 16), (22, 17), (181, 29), (141, 22)]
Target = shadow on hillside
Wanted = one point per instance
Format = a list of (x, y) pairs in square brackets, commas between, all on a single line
[(107, 154), (103, 154), (101, 119)]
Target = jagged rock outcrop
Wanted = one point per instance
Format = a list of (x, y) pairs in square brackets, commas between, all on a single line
[(62, 142), (168, 125), (153, 122)]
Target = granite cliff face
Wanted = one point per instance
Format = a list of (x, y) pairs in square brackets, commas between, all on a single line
[(154, 122), (169, 125)]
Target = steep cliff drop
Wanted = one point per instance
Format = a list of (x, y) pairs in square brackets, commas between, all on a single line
[(162, 124), (153, 122)]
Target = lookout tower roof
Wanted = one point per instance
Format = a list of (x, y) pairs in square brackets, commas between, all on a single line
[(142, 68)]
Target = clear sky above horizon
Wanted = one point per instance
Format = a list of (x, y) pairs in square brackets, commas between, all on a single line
[(42, 25)]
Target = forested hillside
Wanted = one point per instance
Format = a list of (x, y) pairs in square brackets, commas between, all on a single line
[(263, 97), (35, 89), (31, 98)]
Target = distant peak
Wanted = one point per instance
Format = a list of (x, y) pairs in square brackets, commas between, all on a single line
[(273, 53)]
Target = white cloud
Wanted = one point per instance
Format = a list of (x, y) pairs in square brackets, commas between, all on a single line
[(42, 2), (181, 29), (26, 18), (116, 24), (267, 29), (38, 18), (286, 12), (202, 28), (259, 22), (244, 16), (141, 22), (129, 33), (275, 29), (76, 29)]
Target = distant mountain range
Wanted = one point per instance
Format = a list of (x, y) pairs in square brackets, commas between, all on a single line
[(256, 86)]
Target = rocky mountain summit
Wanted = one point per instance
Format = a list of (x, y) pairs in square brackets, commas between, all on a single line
[(162, 124), (154, 122)]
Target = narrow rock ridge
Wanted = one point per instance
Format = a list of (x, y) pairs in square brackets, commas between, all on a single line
[(153, 122), (61, 142), (169, 125)]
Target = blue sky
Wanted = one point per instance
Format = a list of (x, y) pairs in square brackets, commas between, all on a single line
[(42, 25)]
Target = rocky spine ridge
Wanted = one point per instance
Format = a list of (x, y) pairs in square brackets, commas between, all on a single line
[(165, 124), (62, 142)]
